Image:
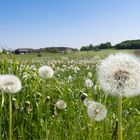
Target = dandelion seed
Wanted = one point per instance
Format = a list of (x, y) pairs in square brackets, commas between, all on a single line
[(119, 75), (88, 83), (28, 102), (14, 99), (28, 109), (89, 75), (70, 78), (76, 69), (10, 83), (48, 98), (96, 111), (45, 72), (61, 105)]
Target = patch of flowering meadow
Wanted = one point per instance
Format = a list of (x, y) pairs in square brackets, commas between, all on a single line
[(62, 99)]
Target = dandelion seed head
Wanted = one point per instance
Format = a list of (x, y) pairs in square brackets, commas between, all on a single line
[(96, 111), (119, 75), (89, 74), (10, 83), (28, 102), (70, 79), (88, 83), (61, 105), (48, 99), (14, 99), (45, 72)]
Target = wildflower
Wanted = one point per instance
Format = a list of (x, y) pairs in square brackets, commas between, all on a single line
[(10, 83), (14, 99), (28, 102), (76, 69), (70, 78), (28, 109), (89, 75), (119, 75), (48, 98), (96, 111), (61, 105), (87, 67), (88, 83), (45, 72)]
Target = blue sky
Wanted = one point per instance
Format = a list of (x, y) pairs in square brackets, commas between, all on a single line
[(71, 23)]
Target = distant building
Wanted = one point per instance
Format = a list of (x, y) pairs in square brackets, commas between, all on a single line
[(23, 50), (48, 49)]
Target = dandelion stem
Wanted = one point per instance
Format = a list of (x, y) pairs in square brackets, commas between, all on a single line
[(120, 118), (46, 129), (10, 117), (0, 123), (93, 131)]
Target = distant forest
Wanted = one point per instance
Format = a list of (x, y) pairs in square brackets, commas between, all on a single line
[(128, 44)]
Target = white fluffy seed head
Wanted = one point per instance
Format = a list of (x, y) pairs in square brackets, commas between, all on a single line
[(89, 74), (45, 72), (119, 75), (88, 83), (10, 83), (70, 78), (96, 111), (61, 105)]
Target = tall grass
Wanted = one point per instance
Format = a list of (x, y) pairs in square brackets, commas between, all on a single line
[(34, 116)]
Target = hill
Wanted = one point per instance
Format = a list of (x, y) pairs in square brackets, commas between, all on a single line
[(128, 44)]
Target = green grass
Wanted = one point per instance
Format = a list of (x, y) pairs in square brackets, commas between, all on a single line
[(72, 55), (37, 120)]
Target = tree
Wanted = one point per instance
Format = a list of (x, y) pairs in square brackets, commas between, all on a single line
[(106, 45), (129, 44)]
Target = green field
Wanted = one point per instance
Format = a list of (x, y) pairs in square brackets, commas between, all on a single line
[(72, 55), (34, 114)]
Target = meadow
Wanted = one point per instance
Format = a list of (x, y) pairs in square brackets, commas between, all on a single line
[(34, 115)]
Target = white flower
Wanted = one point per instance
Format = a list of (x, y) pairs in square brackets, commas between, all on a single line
[(88, 83), (89, 75), (45, 72), (96, 111), (76, 69), (70, 78), (88, 67), (28, 102), (10, 83), (119, 74), (61, 105), (14, 99)]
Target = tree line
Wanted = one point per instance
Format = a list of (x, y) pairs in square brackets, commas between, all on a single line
[(128, 44)]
